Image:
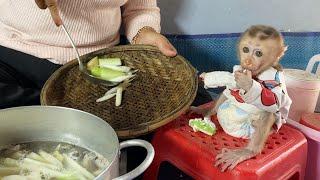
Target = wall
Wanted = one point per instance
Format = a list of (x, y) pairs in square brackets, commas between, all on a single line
[(229, 16), (206, 31)]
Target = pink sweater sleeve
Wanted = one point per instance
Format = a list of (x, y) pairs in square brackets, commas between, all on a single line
[(139, 13)]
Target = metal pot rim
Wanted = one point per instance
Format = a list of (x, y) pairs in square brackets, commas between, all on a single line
[(116, 154)]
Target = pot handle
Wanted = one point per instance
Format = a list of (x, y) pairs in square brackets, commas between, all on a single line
[(314, 59), (144, 165)]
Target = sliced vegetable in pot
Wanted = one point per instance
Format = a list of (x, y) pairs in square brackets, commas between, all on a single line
[(36, 163)]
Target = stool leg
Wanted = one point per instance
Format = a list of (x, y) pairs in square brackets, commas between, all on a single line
[(153, 170)]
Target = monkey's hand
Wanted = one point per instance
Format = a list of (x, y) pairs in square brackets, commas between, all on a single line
[(243, 79), (202, 76), (228, 158)]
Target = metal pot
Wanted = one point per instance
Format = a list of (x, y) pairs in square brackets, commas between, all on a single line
[(60, 124)]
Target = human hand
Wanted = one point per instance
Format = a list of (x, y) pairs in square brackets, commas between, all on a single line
[(150, 37), (243, 79), (53, 7)]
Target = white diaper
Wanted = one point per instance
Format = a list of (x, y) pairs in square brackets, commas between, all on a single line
[(236, 118)]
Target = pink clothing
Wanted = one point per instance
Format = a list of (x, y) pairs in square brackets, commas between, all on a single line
[(93, 24)]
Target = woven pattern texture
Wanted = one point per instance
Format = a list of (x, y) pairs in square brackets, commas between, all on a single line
[(163, 89), (218, 51)]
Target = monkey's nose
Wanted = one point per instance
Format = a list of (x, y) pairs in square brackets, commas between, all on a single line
[(248, 62)]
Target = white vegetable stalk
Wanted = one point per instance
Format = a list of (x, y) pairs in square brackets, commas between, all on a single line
[(125, 84), (116, 91), (119, 96), (132, 72), (9, 162), (121, 78), (50, 173), (5, 171), (36, 157), (50, 159), (16, 177), (19, 155), (106, 97), (74, 165), (109, 61), (112, 91), (30, 162), (57, 155), (49, 165), (117, 68)]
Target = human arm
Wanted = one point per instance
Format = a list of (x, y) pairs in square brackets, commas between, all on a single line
[(141, 19)]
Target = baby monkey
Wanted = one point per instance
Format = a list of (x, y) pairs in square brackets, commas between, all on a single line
[(257, 101)]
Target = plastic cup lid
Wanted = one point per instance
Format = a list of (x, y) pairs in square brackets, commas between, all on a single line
[(299, 74)]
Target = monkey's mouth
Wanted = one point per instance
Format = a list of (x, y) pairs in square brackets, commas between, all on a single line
[(254, 70), (249, 67)]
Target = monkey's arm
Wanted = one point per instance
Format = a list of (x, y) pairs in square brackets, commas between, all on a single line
[(209, 110), (222, 98), (262, 97), (267, 97), (262, 128), (230, 158)]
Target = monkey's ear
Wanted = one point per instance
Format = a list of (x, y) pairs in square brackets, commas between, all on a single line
[(283, 50)]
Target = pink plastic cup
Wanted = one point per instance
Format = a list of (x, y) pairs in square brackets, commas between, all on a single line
[(303, 88)]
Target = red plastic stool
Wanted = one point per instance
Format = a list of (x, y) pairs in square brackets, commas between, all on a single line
[(284, 156)]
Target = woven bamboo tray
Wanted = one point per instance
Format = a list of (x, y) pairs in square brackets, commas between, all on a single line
[(163, 89)]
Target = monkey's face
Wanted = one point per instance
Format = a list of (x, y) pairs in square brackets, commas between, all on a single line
[(257, 55)]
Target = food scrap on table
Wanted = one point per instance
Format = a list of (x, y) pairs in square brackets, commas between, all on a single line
[(203, 125)]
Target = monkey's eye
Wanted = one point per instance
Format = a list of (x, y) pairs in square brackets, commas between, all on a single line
[(258, 53), (245, 49)]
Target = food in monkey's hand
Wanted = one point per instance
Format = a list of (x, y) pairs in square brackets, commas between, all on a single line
[(217, 79), (203, 125), (111, 69)]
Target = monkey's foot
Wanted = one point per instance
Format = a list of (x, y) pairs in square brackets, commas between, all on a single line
[(229, 158)]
